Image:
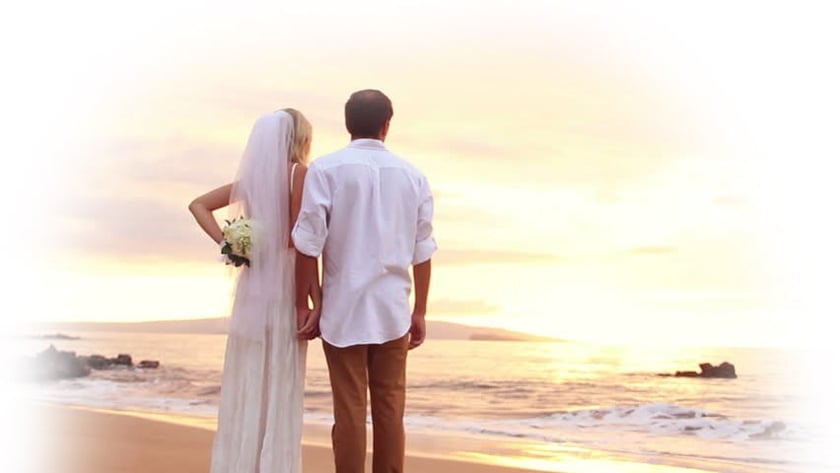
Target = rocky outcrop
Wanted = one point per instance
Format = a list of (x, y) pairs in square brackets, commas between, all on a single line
[(99, 362), (54, 364), (707, 370), (123, 359)]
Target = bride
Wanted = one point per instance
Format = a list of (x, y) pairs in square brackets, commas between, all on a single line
[(261, 405)]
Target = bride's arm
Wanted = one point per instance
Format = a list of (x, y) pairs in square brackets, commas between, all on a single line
[(297, 197), (306, 274), (202, 208), (309, 232)]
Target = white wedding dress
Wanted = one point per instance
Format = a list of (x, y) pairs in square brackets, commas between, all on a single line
[(261, 406)]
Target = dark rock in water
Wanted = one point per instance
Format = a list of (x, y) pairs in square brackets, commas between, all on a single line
[(724, 370), (148, 364), (122, 359), (687, 374), (52, 364), (97, 362), (707, 370)]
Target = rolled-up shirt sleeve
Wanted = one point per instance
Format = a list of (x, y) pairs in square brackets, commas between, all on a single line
[(424, 243), (310, 231)]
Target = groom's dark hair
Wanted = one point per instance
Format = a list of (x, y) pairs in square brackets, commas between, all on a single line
[(366, 112)]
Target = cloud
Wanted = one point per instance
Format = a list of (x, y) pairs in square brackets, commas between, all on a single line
[(462, 307), (729, 200), (652, 250), (166, 159), (455, 214), (131, 229), (448, 257)]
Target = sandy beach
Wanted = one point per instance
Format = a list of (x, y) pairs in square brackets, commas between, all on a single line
[(471, 410), (86, 441)]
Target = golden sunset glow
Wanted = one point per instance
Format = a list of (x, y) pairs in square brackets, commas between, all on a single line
[(605, 172)]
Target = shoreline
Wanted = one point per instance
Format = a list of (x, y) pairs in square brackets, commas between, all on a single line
[(87, 439), (459, 448)]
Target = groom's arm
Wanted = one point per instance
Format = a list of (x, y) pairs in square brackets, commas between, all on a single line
[(424, 247), (422, 277)]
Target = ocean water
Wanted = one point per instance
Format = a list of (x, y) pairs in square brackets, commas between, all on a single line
[(535, 403)]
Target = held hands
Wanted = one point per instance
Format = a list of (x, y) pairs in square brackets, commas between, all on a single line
[(307, 289), (417, 332), (308, 321)]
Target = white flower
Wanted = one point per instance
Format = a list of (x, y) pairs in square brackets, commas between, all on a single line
[(237, 235)]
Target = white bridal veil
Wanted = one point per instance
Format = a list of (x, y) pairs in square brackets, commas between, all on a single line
[(261, 193)]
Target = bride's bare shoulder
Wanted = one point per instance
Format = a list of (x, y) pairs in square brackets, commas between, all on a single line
[(298, 167), (297, 179)]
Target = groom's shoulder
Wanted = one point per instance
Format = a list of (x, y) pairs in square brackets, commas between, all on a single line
[(407, 165), (329, 160), (384, 157)]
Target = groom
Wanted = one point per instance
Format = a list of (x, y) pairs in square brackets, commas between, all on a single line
[(369, 213)]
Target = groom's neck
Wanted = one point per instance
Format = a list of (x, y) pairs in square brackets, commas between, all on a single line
[(383, 132), (379, 137)]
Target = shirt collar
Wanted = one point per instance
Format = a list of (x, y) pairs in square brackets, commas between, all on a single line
[(367, 143)]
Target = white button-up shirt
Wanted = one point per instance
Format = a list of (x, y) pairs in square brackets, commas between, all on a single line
[(370, 213)]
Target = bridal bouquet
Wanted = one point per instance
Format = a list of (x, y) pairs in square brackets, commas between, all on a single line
[(237, 241)]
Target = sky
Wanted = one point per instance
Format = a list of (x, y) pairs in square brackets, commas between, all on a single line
[(602, 171)]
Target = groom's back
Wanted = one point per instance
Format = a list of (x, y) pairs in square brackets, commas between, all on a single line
[(373, 203)]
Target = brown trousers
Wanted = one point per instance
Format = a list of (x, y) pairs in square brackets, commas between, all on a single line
[(354, 370)]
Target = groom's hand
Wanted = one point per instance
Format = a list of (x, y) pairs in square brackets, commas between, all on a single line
[(417, 333)]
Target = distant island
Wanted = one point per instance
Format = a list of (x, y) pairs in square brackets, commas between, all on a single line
[(53, 336), (435, 330), (507, 336)]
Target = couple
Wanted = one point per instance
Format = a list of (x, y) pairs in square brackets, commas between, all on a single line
[(368, 214)]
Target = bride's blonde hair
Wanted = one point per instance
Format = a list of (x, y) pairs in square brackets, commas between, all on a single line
[(301, 138)]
